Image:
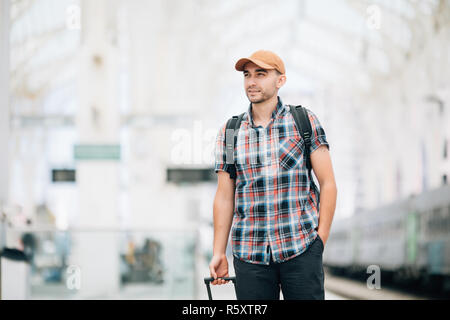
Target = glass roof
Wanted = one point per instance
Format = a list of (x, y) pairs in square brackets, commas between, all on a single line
[(323, 42)]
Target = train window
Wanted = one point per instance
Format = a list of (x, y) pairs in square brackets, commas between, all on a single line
[(445, 148), (439, 221), (446, 217)]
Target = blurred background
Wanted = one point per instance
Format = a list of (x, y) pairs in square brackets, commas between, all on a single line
[(109, 111)]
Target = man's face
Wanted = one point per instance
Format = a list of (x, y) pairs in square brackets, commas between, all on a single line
[(261, 84)]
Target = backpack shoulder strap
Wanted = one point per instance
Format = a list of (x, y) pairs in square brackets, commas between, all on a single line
[(303, 124), (231, 133)]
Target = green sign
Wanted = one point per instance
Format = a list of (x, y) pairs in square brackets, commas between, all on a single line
[(97, 152)]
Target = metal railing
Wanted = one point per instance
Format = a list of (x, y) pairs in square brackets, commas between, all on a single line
[(109, 263)]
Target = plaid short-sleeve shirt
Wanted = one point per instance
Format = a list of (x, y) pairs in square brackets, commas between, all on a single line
[(275, 205)]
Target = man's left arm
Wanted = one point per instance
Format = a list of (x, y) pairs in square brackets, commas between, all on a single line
[(323, 169)]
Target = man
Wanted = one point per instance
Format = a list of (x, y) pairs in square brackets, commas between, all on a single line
[(277, 237)]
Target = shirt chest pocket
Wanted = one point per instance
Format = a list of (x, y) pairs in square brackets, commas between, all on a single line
[(291, 154)]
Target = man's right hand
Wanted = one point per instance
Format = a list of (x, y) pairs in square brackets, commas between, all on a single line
[(218, 268)]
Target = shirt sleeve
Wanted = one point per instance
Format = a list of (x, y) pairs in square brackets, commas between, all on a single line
[(220, 151), (318, 137)]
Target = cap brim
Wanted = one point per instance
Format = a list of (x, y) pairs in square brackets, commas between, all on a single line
[(241, 63)]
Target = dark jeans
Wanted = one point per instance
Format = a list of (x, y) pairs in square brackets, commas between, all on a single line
[(300, 278)]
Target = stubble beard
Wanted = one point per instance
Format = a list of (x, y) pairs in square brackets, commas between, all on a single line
[(264, 97)]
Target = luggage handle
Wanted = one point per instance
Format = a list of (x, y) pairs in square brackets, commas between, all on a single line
[(208, 280)]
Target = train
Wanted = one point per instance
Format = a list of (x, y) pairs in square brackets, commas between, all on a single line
[(409, 240)]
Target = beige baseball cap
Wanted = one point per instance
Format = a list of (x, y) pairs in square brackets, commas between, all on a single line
[(265, 59)]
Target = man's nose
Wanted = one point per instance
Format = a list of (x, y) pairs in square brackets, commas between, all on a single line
[(251, 82)]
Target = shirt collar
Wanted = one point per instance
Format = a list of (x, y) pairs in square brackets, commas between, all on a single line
[(276, 112)]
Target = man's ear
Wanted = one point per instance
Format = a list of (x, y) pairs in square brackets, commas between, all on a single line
[(281, 81)]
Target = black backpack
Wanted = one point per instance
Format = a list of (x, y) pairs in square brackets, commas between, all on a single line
[(303, 126)]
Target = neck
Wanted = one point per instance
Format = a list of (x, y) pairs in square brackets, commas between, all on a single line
[(262, 111)]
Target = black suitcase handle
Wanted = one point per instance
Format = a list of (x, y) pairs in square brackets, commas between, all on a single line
[(208, 280)]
